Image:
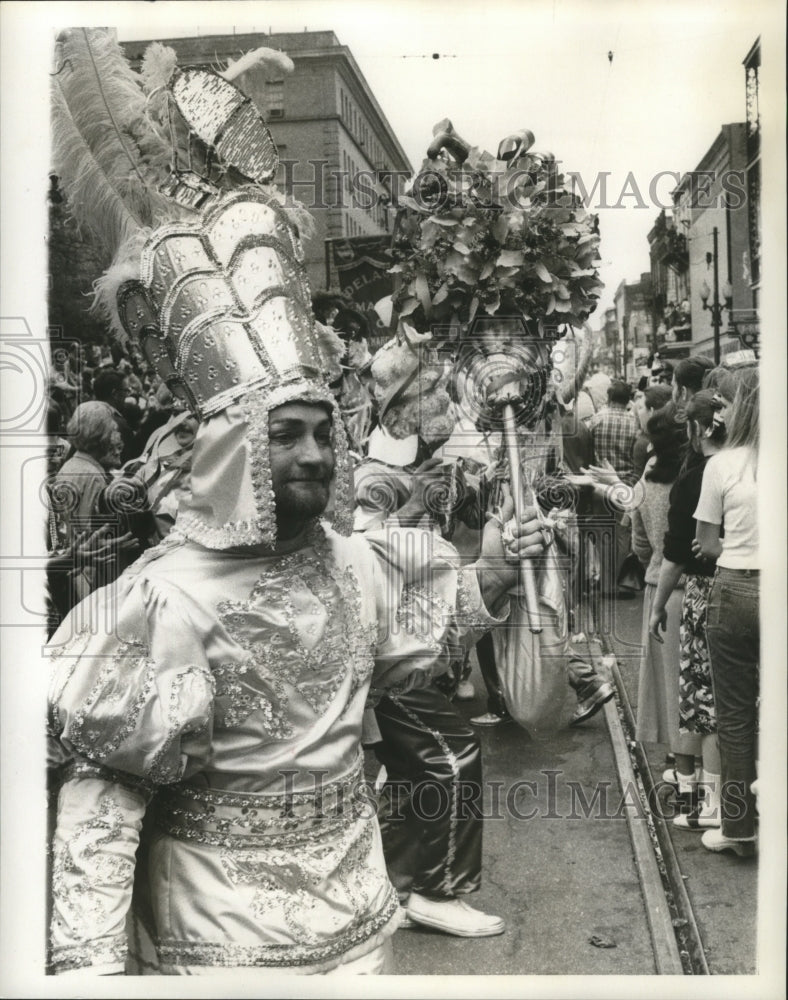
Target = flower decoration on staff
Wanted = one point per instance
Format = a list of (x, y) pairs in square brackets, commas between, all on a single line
[(500, 235)]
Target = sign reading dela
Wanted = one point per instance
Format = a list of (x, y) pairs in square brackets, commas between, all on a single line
[(359, 266)]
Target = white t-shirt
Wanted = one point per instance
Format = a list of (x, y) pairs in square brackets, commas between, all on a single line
[(729, 496)]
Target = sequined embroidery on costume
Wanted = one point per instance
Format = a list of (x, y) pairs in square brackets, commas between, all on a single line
[(422, 613), (289, 881), (320, 640), (77, 866), (63, 675), (167, 765), (229, 955), (111, 688), (472, 614)]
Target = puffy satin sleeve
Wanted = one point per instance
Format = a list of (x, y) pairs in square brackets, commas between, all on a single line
[(429, 607), (137, 695), (130, 707)]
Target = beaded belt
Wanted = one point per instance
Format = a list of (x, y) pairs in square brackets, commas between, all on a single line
[(225, 819)]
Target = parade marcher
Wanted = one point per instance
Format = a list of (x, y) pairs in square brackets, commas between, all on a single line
[(431, 800), (268, 890), (729, 499), (225, 705)]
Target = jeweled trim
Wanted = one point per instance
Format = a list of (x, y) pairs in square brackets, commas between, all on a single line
[(161, 770), (227, 955), (470, 614), (237, 820), (110, 950), (261, 529), (81, 768), (424, 614), (243, 800), (78, 863)]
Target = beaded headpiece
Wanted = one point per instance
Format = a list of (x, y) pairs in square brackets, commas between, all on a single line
[(208, 273), (222, 305)]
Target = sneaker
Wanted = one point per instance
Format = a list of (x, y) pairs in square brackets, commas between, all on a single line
[(488, 719), (715, 840), (453, 916), (465, 691), (590, 706)]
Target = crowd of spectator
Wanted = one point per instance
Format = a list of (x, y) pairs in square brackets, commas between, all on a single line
[(119, 459)]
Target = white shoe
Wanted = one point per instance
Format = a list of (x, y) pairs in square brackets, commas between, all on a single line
[(488, 719), (453, 916), (465, 691), (715, 840)]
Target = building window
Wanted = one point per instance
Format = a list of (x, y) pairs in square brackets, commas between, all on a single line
[(275, 98)]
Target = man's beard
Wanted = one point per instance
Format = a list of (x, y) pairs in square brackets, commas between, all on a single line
[(300, 500)]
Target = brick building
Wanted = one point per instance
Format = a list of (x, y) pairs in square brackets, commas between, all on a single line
[(713, 196), (633, 306), (339, 155), (746, 318), (669, 254)]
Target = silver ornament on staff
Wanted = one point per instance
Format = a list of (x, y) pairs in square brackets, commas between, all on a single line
[(504, 396)]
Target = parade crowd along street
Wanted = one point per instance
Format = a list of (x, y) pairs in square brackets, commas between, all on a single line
[(299, 543)]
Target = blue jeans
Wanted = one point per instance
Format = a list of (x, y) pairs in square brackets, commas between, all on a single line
[(733, 633)]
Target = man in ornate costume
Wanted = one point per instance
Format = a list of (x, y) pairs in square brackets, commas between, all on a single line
[(207, 741)]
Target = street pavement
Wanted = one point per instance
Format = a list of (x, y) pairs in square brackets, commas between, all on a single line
[(558, 865)]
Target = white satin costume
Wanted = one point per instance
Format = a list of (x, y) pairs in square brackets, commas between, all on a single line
[(219, 695)]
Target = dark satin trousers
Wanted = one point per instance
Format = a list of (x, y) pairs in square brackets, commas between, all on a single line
[(431, 805)]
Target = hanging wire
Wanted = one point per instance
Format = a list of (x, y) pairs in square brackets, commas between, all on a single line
[(429, 55)]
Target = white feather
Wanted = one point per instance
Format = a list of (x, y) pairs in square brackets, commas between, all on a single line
[(273, 61)]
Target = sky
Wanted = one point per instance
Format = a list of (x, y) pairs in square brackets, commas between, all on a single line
[(675, 76)]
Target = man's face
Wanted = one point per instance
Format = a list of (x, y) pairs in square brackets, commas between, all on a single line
[(302, 460), (185, 433)]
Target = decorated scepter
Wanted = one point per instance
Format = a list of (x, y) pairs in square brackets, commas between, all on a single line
[(527, 575), (505, 391), (495, 266)]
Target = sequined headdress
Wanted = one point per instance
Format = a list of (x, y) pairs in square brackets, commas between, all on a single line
[(208, 273)]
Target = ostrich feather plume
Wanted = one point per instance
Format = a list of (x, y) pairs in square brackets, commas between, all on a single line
[(108, 155), (270, 60)]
